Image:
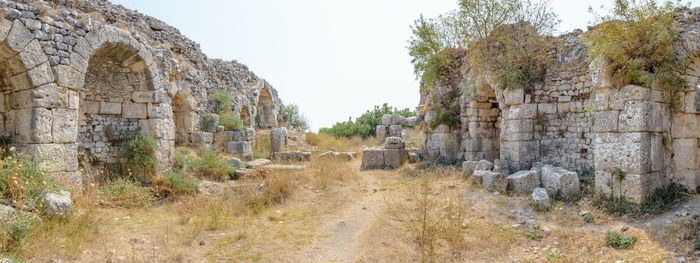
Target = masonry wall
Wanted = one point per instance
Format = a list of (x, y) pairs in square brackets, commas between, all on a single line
[(74, 74)]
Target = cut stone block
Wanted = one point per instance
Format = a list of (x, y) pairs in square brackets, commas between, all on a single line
[(541, 198), (483, 165), (372, 158), (395, 158), (560, 183), (523, 182), (494, 181), (468, 167)]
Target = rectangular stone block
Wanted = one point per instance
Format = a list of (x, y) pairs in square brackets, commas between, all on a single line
[(514, 96), (606, 121), (113, 108), (546, 108), (395, 158), (523, 182), (160, 110), (202, 137), (372, 158), (684, 153), (381, 133), (395, 131), (34, 125), (142, 96), (160, 128), (65, 125), (685, 125), (522, 111), (68, 77), (630, 152), (641, 116), (62, 157), (134, 110), (91, 107)]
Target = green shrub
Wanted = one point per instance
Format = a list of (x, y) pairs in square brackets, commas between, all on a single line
[(365, 125), (181, 160), (588, 218), (18, 227), (231, 122), (209, 165), (533, 235), (22, 180), (637, 40), (137, 156), (177, 184), (223, 101), (294, 119), (123, 192), (697, 242), (618, 240), (555, 254)]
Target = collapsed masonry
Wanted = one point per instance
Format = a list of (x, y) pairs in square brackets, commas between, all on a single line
[(577, 119), (75, 73)]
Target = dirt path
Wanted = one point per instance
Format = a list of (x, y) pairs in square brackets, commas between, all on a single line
[(340, 232)]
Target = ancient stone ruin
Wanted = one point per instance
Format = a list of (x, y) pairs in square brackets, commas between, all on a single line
[(577, 119), (76, 73)]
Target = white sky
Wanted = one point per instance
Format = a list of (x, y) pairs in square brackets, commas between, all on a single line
[(334, 58)]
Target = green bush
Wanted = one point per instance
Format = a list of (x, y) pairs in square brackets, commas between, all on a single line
[(697, 242), (637, 40), (209, 165), (231, 122), (22, 180), (618, 240), (137, 156), (294, 119), (555, 254), (588, 218), (18, 226), (178, 184), (124, 192), (365, 125), (663, 199), (533, 235), (223, 101)]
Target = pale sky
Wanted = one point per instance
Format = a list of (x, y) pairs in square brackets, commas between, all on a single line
[(334, 58)]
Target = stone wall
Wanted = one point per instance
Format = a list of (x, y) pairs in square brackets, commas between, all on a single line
[(73, 74), (576, 119)]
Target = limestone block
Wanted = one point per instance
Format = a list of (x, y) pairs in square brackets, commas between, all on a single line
[(30, 57), (134, 110), (295, 156), (494, 181), (237, 163), (110, 108), (91, 107), (630, 152), (386, 120), (514, 96), (142, 96), (637, 188), (160, 110), (505, 167), (40, 75), (34, 125), (395, 131), (482, 130), (21, 81), (685, 125), (278, 139), (519, 130), (67, 76), (249, 134), (520, 151), (640, 116), (397, 119), (483, 165), (522, 111), (445, 145), (541, 198), (17, 38), (429, 117), (684, 153), (372, 158), (546, 108), (381, 132), (83, 48), (606, 121), (523, 182), (65, 125), (468, 167), (240, 149), (78, 62), (5, 26), (202, 137), (61, 157), (395, 158), (560, 183), (56, 203), (160, 128), (258, 163), (411, 121)]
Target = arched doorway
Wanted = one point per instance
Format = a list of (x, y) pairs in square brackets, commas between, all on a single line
[(117, 96), (267, 117)]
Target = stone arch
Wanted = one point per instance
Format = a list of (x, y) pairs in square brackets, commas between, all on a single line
[(483, 125), (685, 123), (267, 115), (121, 90)]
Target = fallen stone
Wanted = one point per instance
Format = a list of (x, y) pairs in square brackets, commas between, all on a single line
[(285, 167), (541, 198), (258, 163), (523, 182), (493, 181), (413, 157), (483, 165), (237, 163), (560, 183), (56, 203), (468, 167), (292, 156), (395, 158)]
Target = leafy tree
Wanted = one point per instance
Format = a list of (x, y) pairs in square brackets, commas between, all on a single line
[(294, 119), (636, 38), (365, 125)]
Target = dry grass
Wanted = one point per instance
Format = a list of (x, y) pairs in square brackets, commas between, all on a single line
[(325, 142)]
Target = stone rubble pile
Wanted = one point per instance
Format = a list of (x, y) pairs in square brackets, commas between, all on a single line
[(346, 156), (295, 156), (557, 182), (236, 143)]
